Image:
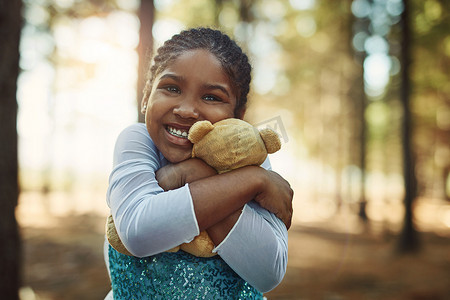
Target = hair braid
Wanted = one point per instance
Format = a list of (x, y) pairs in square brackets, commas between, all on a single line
[(233, 60)]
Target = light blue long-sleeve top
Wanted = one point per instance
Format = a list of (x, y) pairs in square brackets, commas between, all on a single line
[(150, 220)]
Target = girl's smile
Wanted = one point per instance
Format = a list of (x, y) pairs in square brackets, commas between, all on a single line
[(193, 87), (178, 134), (181, 133)]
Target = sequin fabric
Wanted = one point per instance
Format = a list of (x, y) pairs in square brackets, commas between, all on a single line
[(176, 276)]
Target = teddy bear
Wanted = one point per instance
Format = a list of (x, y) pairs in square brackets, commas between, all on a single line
[(225, 145)]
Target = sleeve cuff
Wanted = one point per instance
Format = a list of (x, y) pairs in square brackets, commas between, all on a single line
[(231, 234), (191, 202)]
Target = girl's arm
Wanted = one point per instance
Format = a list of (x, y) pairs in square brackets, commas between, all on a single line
[(251, 240), (149, 220), (221, 196)]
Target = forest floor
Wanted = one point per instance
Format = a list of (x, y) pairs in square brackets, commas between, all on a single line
[(65, 261)]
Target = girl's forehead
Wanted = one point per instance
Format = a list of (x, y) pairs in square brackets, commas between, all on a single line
[(198, 62), (196, 56)]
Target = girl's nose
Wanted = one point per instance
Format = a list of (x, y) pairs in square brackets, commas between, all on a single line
[(186, 109)]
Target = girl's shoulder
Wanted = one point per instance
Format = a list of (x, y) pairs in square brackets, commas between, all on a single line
[(134, 142), (136, 132), (138, 129)]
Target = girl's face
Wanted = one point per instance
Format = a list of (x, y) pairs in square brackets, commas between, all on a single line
[(192, 88)]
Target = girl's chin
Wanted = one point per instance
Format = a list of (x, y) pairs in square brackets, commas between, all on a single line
[(174, 149), (178, 157)]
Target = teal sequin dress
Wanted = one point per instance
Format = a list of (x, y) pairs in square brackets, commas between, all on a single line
[(176, 276)]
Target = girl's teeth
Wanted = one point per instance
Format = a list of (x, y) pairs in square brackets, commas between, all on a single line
[(178, 132)]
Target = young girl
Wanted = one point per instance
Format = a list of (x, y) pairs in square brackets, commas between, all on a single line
[(160, 197)]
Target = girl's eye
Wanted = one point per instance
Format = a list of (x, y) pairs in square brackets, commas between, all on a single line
[(212, 98), (172, 89)]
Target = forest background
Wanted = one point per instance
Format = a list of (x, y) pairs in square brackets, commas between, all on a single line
[(358, 90)]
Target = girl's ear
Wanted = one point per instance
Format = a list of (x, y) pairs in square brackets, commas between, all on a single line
[(144, 103), (199, 130), (143, 107)]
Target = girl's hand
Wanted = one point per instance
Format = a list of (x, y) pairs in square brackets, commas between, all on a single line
[(173, 176), (276, 196)]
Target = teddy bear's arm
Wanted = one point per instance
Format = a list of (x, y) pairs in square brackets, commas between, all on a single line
[(113, 237)]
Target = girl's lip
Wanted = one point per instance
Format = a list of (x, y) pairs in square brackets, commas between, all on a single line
[(179, 126)]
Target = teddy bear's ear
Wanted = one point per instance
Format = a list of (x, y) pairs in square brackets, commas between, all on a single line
[(271, 140), (199, 130)]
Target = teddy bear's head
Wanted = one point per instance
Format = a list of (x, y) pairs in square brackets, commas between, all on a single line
[(232, 143)]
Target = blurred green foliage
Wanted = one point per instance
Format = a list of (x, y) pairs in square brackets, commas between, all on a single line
[(307, 68)]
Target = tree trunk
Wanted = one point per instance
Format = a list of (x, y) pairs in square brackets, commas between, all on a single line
[(360, 105), (145, 48), (408, 238), (10, 27), (362, 155)]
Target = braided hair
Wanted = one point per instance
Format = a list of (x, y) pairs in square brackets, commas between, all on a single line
[(233, 60)]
